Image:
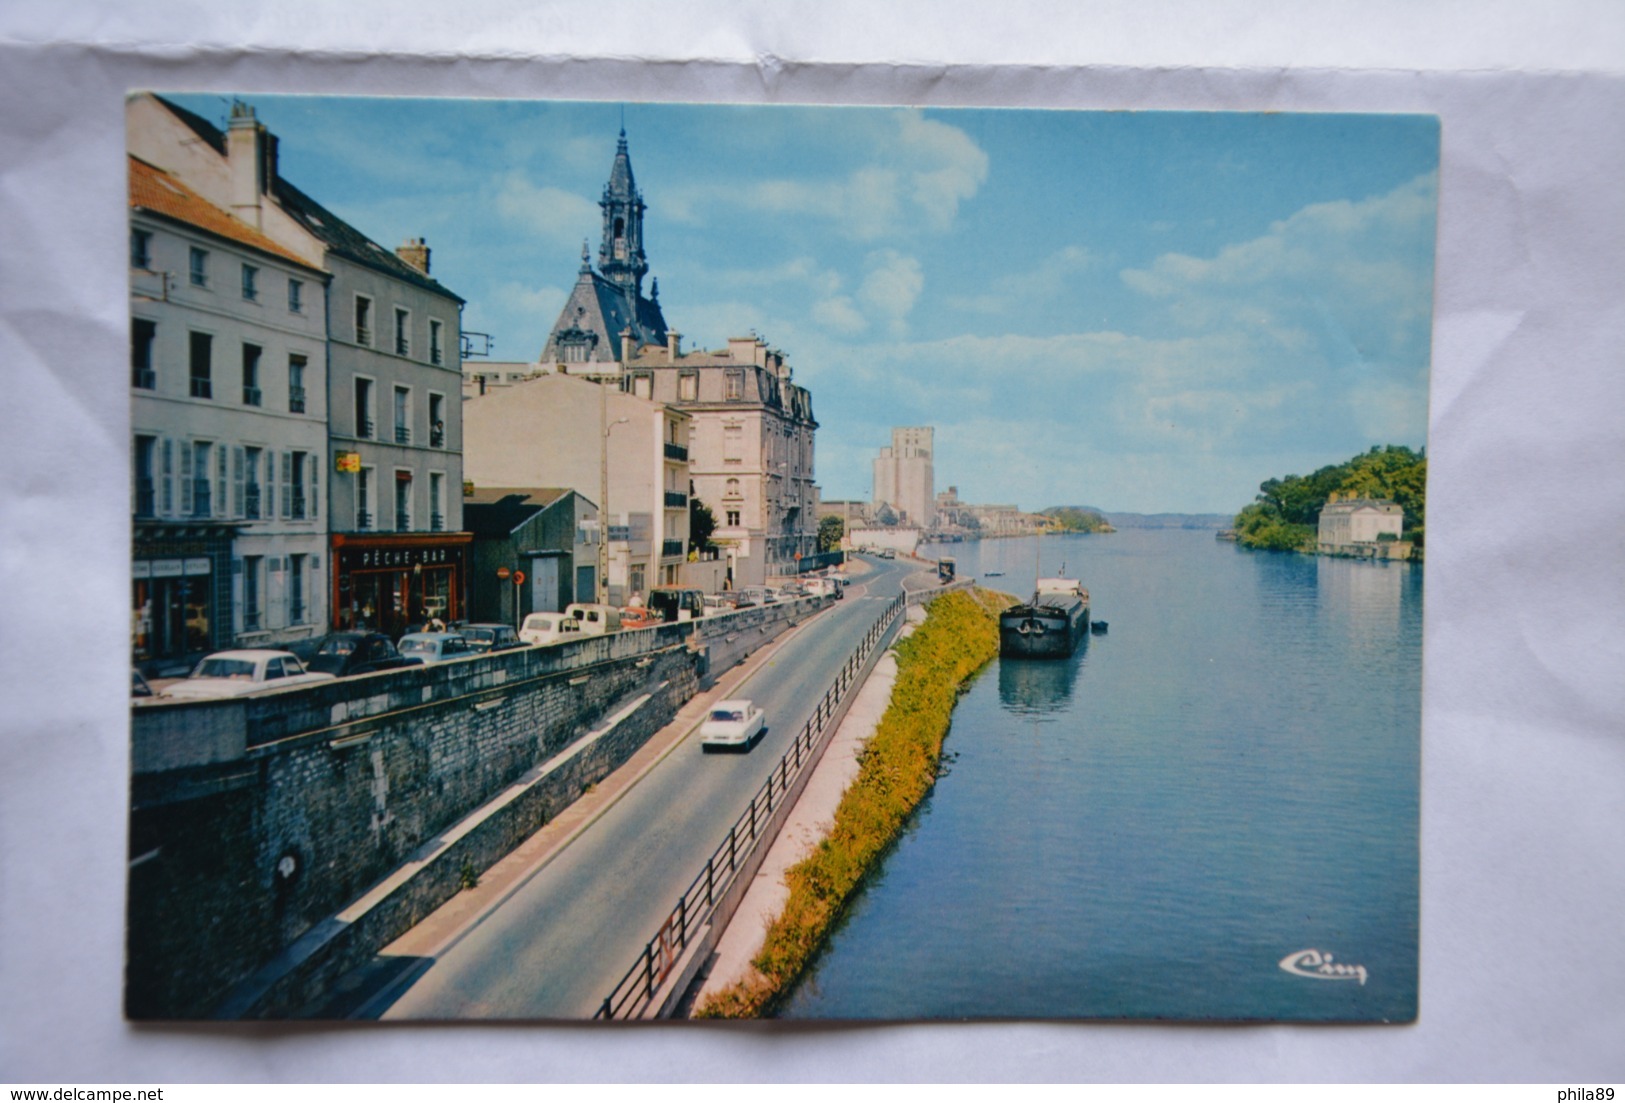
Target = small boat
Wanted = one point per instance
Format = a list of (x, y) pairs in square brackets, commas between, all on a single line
[(1098, 627), (1048, 626)]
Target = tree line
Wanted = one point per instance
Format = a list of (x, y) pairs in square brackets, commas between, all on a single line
[(1286, 512)]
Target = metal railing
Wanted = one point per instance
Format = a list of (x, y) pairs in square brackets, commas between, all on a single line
[(637, 989), (676, 499), (675, 451)]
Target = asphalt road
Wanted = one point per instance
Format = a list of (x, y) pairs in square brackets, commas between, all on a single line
[(557, 945)]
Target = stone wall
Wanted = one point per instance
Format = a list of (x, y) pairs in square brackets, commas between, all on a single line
[(255, 821)]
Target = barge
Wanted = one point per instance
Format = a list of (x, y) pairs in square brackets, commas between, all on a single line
[(1048, 626)]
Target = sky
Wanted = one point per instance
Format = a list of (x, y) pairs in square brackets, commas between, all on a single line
[(1139, 311)]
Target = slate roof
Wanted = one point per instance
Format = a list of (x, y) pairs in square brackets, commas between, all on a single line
[(499, 510), (156, 191), (600, 306), (338, 235)]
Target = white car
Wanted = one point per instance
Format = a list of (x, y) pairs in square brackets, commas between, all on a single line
[(545, 628), (238, 673), (732, 724)]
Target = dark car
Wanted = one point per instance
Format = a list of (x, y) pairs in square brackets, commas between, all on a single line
[(490, 637), (343, 654)]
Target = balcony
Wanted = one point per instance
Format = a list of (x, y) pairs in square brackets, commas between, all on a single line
[(251, 501), (201, 387), (403, 435), (296, 504), (296, 400), (363, 428), (363, 335), (437, 522), (437, 437), (251, 396), (146, 379), (676, 499), (363, 521), (403, 522), (671, 549), (676, 452)]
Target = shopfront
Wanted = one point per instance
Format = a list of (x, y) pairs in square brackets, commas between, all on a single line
[(394, 582), (180, 589)]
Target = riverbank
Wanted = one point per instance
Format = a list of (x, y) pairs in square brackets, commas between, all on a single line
[(896, 769)]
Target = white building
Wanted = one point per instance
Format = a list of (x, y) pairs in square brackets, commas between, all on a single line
[(1358, 521), (903, 477), (752, 456), (228, 411), (562, 430), (393, 378)]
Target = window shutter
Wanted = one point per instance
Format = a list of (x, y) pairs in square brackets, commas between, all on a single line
[(220, 503), (315, 475), (287, 496), (237, 509), (268, 496), (169, 476), (186, 478)]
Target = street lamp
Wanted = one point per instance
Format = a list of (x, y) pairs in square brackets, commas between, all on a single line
[(604, 425)]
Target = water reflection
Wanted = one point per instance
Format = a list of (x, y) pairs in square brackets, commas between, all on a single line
[(1035, 687)]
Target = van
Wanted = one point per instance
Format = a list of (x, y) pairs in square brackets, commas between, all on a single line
[(545, 628), (673, 604), (595, 620)]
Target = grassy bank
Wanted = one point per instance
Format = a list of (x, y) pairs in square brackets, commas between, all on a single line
[(896, 770)]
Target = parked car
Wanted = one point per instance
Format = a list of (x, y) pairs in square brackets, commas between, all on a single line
[(798, 589), (435, 647), (717, 603), (639, 616), (595, 620), (239, 673), (732, 724), (546, 628), (677, 603), (346, 654), (485, 638)]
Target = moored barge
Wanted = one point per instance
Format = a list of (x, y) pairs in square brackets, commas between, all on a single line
[(1048, 626)]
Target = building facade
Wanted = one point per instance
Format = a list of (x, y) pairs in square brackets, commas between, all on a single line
[(228, 411), (397, 552), (903, 477), (751, 461), (624, 453), (1359, 524), (535, 551)]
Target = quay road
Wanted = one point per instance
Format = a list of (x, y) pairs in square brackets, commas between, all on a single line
[(555, 947)]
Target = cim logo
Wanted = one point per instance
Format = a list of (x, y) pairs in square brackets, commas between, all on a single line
[(1319, 966)]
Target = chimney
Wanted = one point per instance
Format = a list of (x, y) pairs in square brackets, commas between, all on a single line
[(251, 159), (626, 344), (673, 339), (416, 253)]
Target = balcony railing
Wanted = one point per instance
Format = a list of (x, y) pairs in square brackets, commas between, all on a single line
[(403, 435), (146, 503), (363, 521), (403, 522), (201, 387), (251, 620), (251, 502), (676, 451), (296, 400), (363, 427), (437, 522), (200, 498), (251, 396), (676, 499), (437, 438), (671, 549), (146, 379), (363, 335), (296, 505)]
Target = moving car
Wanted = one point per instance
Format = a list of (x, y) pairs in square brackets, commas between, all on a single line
[(346, 654), (485, 638), (435, 647), (239, 673), (732, 724), (545, 628)]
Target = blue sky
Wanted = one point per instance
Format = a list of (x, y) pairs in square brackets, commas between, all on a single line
[(1140, 311)]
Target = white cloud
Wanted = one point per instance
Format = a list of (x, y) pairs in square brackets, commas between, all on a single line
[(839, 314), (1049, 279), (558, 217), (892, 287)]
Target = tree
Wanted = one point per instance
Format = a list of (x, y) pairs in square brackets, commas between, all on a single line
[(830, 530), (701, 524)]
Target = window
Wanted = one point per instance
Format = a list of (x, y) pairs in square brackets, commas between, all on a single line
[(403, 346), (642, 384), (252, 614), (196, 486), (437, 421), (363, 499), (733, 444), (140, 248), (403, 415), (296, 383), (296, 589), (202, 365), (403, 501), (294, 505), (251, 282), (199, 267), (733, 518), (363, 408), (145, 504), (363, 320), (437, 502), (169, 477), (735, 386), (251, 483), (436, 352), (251, 375), (296, 296), (142, 335), (688, 386), (732, 489)]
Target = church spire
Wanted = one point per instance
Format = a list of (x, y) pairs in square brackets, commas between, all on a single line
[(620, 257)]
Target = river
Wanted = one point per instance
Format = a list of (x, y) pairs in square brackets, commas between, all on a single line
[(1222, 783)]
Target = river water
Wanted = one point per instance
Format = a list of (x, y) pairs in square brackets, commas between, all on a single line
[(1226, 780)]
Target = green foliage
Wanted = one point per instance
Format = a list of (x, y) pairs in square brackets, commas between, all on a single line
[(897, 768), (701, 524), (1072, 519), (830, 531), (468, 877), (1286, 511)]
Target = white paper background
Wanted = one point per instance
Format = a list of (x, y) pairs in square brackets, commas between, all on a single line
[(1523, 873)]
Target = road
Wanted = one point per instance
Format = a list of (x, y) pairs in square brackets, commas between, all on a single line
[(555, 947)]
